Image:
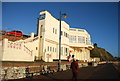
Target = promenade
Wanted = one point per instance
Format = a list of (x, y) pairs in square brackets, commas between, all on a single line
[(102, 72)]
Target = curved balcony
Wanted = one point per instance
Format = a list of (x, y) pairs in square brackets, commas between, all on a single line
[(88, 46)]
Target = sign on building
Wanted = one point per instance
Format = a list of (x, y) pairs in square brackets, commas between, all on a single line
[(42, 16)]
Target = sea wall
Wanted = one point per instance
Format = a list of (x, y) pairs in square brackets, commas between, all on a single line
[(27, 70)]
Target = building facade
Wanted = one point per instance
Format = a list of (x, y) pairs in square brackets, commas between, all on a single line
[(74, 41), (45, 46)]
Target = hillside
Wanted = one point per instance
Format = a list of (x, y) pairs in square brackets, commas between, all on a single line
[(101, 53)]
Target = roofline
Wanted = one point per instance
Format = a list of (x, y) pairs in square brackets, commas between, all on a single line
[(53, 16)]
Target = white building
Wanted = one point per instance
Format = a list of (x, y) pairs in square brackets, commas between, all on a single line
[(73, 41), (45, 46)]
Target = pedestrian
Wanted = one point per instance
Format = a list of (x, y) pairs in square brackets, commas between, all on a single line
[(74, 67)]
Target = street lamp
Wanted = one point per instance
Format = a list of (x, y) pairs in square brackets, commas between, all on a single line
[(59, 62)]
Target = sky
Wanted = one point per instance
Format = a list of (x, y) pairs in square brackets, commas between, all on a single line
[(100, 19)]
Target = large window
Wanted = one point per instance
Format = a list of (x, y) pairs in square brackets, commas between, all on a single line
[(72, 39), (81, 39), (88, 41)]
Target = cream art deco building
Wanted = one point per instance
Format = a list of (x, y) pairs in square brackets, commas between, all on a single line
[(45, 46), (74, 41)]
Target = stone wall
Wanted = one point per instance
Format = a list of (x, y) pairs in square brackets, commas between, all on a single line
[(26, 70)]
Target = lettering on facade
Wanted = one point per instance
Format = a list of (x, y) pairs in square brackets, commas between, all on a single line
[(42, 16)]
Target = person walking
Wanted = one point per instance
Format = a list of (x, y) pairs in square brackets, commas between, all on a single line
[(74, 67)]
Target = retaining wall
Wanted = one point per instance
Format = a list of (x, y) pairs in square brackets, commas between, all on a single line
[(27, 70)]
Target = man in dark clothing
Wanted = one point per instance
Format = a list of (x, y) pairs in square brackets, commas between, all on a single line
[(74, 67)]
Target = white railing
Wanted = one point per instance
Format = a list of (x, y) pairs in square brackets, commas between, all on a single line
[(28, 51)]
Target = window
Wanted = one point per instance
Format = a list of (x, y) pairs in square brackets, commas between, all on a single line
[(48, 48), (70, 39), (73, 29), (42, 16), (64, 33), (81, 30), (68, 35), (41, 25), (61, 50), (53, 30), (36, 48), (81, 39), (61, 32), (44, 50), (42, 29), (66, 51), (73, 39), (53, 49), (88, 41)]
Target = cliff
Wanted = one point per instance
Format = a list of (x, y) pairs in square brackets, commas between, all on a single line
[(101, 53)]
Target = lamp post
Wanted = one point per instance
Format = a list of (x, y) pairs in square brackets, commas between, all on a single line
[(61, 15)]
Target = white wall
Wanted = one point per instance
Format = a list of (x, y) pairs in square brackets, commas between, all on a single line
[(22, 50), (51, 39)]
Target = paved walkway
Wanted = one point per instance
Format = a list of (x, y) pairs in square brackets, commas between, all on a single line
[(101, 72)]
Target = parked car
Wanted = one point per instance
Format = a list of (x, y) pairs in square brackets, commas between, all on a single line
[(15, 33)]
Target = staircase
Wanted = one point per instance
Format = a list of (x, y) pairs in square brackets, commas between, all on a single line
[(20, 50)]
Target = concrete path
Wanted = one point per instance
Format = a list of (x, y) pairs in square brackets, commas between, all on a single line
[(102, 72)]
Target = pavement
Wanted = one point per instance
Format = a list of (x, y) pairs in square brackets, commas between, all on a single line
[(101, 72)]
